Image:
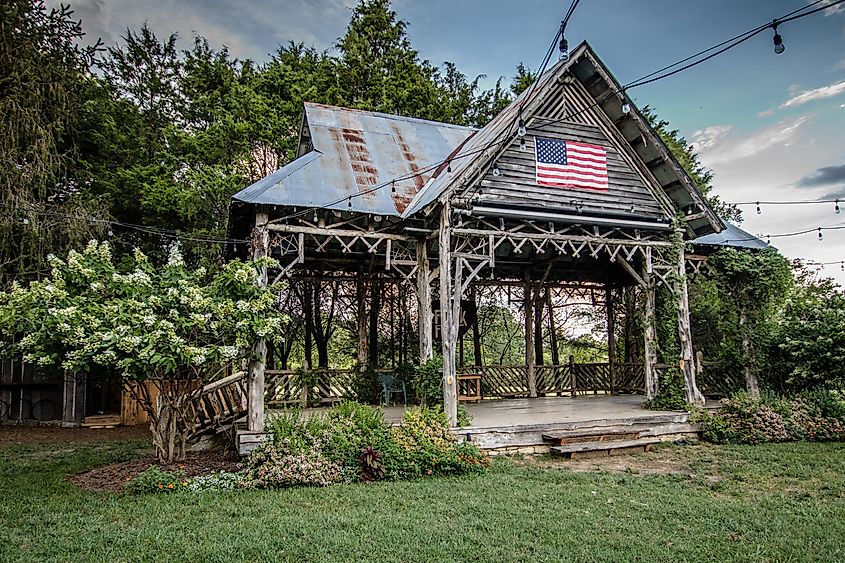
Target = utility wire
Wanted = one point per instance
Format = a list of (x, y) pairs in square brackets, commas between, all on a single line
[(646, 79)]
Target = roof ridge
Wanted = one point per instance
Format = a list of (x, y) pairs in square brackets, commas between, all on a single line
[(390, 116)]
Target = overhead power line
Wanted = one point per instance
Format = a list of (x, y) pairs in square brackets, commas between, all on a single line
[(660, 74)]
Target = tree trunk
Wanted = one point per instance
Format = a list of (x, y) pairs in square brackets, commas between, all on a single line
[(552, 329), (539, 304), (751, 384), (375, 308)]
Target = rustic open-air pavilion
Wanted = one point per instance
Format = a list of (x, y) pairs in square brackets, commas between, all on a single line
[(443, 212)]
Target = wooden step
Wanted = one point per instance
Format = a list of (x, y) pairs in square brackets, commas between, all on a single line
[(606, 434), (101, 421), (613, 447)]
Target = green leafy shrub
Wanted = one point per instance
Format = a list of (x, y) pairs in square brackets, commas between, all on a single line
[(156, 480), (425, 446), (427, 382), (267, 467), (350, 427), (464, 418)]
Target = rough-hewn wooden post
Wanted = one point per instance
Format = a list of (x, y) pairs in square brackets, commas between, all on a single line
[(361, 299), (572, 375), (449, 318), (476, 334), (529, 337), (255, 394), (692, 395), (552, 328), (424, 302), (611, 337), (649, 334)]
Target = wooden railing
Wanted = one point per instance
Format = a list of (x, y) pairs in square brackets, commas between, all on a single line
[(321, 385), (326, 386), (220, 403), (572, 379)]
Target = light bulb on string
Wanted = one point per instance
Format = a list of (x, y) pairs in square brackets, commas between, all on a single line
[(563, 46), (349, 202), (759, 211), (449, 167), (768, 239), (315, 215), (521, 130), (522, 143), (821, 236), (626, 107), (836, 207), (496, 171), (393, 186), (777, 39)]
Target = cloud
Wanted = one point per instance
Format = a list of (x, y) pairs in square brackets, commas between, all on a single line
[(717, 144), (250, 29), (821, 93), (831, 10), (826, 176), (767, 113)]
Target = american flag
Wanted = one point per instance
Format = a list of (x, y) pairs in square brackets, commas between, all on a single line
[(570, 164)]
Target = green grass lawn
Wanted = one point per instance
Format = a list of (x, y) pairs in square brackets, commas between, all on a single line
[(764, 503)]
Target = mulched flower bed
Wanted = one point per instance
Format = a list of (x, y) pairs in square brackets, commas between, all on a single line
[(115, 476)]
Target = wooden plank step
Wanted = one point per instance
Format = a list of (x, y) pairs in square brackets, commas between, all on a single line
[(563, 437), (101, 421), (615, 447)]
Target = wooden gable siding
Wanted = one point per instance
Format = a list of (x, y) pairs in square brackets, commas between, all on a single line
[(517, 186), (569, 112)]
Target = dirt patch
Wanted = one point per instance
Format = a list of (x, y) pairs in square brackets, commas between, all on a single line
[(685, 461), (115, 476), (18, 434)]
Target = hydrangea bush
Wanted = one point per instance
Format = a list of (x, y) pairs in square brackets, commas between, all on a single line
[(172, 326), (811, 416)]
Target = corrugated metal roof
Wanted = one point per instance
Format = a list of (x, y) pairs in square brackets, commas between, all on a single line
[(354, 151), (732, 236)]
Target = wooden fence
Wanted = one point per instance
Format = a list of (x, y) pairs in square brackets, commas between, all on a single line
[(327, 386), (566, 379)]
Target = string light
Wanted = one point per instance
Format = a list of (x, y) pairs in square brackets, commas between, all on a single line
[(660, 74), (521, 130), (563, 46), (496, 171), (315, 215), (759, 211), (836, 207), (349, 202), (393, 186), (449, 167), (777, 39), (821, 236)]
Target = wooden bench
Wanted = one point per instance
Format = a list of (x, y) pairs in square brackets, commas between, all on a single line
[(470, 380)]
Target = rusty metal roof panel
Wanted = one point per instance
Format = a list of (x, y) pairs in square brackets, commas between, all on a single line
[(355, 151)]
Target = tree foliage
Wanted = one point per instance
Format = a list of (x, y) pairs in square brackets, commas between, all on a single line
[(175, 327)]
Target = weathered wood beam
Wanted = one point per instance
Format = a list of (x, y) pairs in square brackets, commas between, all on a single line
[(692, 394), (649, 336), (424, 302), (529, 337), (338, 232), (611, 336), (255, 392), (631, 271), (448, 318)]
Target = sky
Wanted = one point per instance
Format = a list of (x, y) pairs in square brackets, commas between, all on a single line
[(770, 127)]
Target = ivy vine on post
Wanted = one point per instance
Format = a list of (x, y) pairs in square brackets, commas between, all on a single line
[(172, 329)]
